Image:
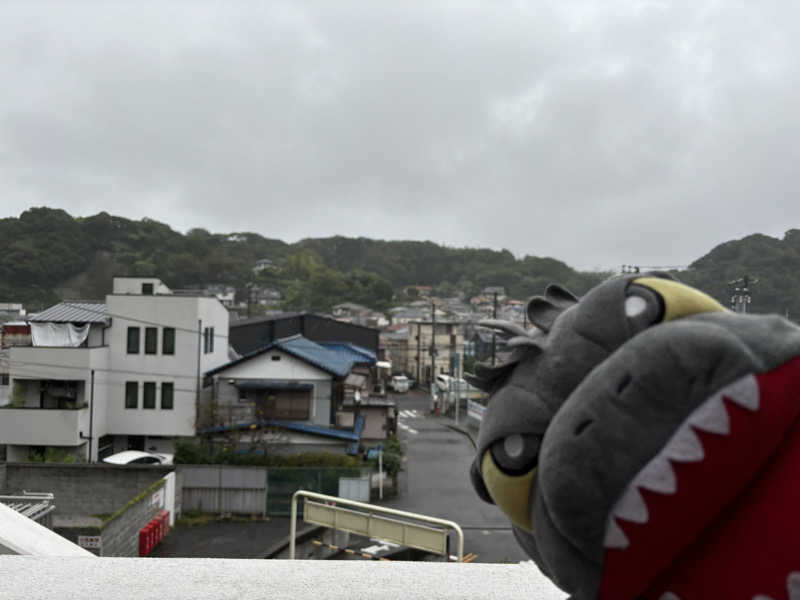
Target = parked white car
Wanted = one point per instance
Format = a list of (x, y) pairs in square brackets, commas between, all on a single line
[(137, 457), (447, 383), (400, 383)]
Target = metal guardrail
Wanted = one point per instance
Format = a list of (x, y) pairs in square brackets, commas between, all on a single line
[(365, 523), (33, 505)]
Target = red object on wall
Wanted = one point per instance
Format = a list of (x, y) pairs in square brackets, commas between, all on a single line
[(152, 533), (142, 542)]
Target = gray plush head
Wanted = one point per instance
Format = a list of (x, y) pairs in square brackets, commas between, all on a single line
[(526, 460)]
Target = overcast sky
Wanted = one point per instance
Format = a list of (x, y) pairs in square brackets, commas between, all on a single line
[(599, 133)]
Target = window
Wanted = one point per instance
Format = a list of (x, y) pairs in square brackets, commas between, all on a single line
[(149, 394), (168, 340), (284, 404), (147, 289), (205, 340), (167, 395), (211, 339), (4, 379), (131, 394), (133, 340), (150, 340), (275, 357)]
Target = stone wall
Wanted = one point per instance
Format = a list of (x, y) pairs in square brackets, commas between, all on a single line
[(84, 489)]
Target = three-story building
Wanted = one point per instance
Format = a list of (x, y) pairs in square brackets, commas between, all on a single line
[(104, 377)]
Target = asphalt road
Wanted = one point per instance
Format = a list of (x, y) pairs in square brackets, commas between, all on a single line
[(436, 482)]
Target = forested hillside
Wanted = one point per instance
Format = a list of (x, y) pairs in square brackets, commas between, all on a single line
[(47, 255)]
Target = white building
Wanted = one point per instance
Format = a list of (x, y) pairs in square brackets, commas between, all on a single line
[(101, 378)]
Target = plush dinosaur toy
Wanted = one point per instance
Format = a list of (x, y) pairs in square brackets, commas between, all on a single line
[(645, 443)]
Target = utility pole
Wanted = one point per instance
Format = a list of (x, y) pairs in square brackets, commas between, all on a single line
[(494, 337), (433, 356)]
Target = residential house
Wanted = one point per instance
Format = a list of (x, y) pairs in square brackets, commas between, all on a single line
[(490, 292), (11, 310), (263, 264), (395, 339), (264, 296), (446, 345), (348, 310), (15, 333), (5, 378), (418, 291), (286, 395), (224, 293), (403, 317), (104, 377)]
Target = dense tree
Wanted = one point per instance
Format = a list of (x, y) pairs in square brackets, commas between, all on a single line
[(46, 254)]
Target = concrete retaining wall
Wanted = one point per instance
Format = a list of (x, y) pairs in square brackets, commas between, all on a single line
[(84, 489)]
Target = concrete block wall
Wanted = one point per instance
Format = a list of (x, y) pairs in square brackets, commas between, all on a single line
[(121, 534), (84, 489)]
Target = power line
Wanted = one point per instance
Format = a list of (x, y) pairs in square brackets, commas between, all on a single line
[(143, 321), (23, 363)]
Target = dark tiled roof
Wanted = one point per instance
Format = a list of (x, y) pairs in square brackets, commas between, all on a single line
[(71, 312)]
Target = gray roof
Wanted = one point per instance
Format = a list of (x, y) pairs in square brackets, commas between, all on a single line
[(71, 312)]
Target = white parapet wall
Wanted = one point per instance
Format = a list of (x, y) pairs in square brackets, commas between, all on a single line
[(196, 579), (21, 535)]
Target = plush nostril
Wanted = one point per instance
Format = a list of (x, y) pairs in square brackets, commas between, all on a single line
[(625, 382), (583, 425)]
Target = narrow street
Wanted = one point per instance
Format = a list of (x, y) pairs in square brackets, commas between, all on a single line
[(436, 482)]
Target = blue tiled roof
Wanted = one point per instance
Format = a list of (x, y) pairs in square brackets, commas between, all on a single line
[(356, 354), (349, 436), (329, 360)]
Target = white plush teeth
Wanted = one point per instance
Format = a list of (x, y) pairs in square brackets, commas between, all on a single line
[(712, 416), (685, 446), (615, 537), (669, 596), (658, 476), (762, 597), (631, 506), (793, 585), (743, 392)]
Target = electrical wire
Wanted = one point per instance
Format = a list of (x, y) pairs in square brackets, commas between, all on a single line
[(137, 320)]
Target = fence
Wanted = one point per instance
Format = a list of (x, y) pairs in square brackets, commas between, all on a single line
[(256, 490)]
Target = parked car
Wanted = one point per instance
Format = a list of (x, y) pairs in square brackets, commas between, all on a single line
[(446, 383), (400, 383), (137, 457)]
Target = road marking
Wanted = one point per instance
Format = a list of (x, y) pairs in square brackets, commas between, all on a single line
[(405, 427), (410, 414)]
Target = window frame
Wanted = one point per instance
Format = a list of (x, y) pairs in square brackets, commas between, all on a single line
[(133, 339), (149, 386), (131, 385), (151, 340), (168, 333), (171, 386)]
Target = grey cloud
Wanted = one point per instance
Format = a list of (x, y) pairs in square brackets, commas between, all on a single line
[(596, 132)]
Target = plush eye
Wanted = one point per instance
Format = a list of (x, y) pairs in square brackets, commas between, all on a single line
[(517, 453), (643, 306)]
